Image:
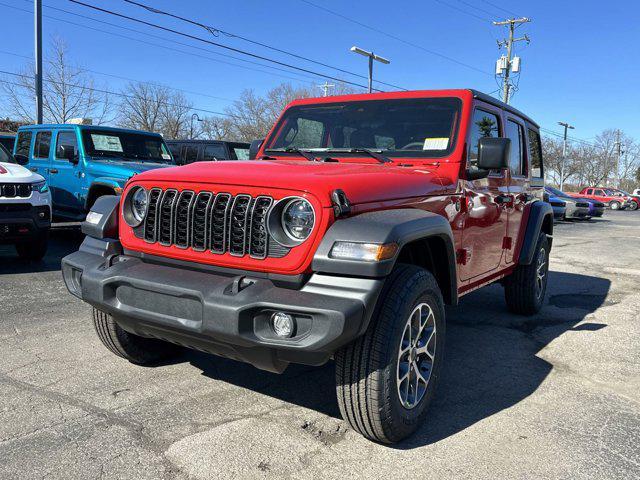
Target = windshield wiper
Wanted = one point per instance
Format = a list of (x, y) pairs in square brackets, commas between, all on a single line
[(300, 152), (372, 153)]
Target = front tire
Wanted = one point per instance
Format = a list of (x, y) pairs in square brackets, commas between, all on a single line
[(525, 288), (386, 379), (614, 205), (33, 250), (136, 349)]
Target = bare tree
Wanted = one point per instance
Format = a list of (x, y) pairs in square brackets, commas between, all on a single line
[(155, 108), (68, 91)]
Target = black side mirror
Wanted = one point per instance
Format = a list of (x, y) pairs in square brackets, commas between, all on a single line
[(493, 154), (254, 147), (21, 159), (68, 152)]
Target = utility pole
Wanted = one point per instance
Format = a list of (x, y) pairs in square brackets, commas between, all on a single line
[(372, 56), (506, 63), (325, 87), (37, 12), (619, 152), (564, 152)]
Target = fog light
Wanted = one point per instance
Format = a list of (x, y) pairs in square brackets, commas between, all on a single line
[(282, 324)]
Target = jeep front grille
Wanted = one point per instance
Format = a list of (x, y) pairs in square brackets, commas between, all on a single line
[(205, 221), (15, 190)]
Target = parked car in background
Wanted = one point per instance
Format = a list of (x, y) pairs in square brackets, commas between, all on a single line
[(189, 151), (83, 162), (25, 208), (558, 205), (575, 208), (604, 195), (636, 191), (7, 141), (596, 208), (634, 202)]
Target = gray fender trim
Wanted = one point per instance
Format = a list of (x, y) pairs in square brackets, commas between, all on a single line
[(539, 210), (401, 226), (107, 226)]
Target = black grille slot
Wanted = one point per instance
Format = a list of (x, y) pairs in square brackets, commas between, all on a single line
[(183, 219), (150, 222), (166, 217), (238, 223), (258, 235), (218, 222), (200, 221), (15, 190)]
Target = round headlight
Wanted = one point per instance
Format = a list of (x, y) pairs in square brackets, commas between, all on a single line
[(139, 202), (298, 219)]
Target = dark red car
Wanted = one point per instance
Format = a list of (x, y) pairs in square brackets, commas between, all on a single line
[(362, 216), (608, 196)]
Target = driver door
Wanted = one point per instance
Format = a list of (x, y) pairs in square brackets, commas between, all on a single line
[(65, 176)]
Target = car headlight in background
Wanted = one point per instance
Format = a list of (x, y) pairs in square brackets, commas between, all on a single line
[(134, 206), (298, 219), (40, 187)]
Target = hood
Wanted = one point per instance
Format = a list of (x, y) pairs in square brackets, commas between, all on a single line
[(121, 168), (14, 173), (362, 182)]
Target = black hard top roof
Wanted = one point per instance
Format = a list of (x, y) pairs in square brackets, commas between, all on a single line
[(499, 103)]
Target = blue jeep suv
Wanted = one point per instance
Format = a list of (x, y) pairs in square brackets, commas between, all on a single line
[(83, 162)]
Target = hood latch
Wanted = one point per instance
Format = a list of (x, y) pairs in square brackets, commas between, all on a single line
[(341, 204)]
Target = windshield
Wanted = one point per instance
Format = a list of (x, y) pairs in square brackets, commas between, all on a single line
[(410, 127), (557, 193), (125, 145), (5, 155)]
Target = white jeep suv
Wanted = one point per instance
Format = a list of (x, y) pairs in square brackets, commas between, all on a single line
[(25, 208)]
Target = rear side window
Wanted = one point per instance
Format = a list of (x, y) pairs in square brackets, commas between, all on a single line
[(599, 192), (42, 145), (189, 153), (515, 134), (68, 139), (214, 152), (23, 143), (484, 125), (535, 154)]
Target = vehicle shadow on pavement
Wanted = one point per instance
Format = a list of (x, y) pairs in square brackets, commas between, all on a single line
[(62, 242), (491, 359), (490, 363)]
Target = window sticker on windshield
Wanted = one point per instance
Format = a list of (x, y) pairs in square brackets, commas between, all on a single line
[(107, 143), (166, 156), (440, 143)]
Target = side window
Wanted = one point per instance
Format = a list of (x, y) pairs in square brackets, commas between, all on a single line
[(590, 191), (535, 154), (67, 139), (189, 153), (483, 125), (42, 145), (599, 192), (214, 152), (514, 133), (23, 143)]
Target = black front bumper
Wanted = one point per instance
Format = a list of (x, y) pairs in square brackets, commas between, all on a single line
[(22, 221), (220, 312)]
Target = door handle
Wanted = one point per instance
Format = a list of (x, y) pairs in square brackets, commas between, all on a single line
[(53, 170)]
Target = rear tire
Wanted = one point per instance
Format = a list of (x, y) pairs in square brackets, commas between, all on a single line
[(386, 379), (136, 349), (633, 206), (525, 288), (33, 250)]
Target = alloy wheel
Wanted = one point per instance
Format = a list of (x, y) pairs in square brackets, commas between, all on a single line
[(541, 272), (416, 356)]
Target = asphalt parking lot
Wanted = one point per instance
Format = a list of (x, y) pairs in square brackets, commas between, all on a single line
[(554, 396)]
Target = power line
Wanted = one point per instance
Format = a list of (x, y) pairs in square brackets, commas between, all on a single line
[(476, 7), (165, 46), (216, 31), (500, 8), (394, 37), (109, 92), (204, 40), (465, 12)]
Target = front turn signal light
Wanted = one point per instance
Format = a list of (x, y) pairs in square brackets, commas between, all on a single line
[(366, 252)]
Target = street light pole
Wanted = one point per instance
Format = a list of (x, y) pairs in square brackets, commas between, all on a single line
[(37, 12), (193, 117), (371, 56), (564, 152)]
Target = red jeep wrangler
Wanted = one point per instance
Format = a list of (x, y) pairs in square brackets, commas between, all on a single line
[(361, 218)]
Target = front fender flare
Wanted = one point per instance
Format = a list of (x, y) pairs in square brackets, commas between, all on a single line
[(401, 226), (538, 212)]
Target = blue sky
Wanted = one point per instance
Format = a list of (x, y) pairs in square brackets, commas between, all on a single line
[(581, 66)]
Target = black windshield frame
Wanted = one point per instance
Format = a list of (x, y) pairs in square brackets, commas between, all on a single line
[(132, 144), (383, 116)]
